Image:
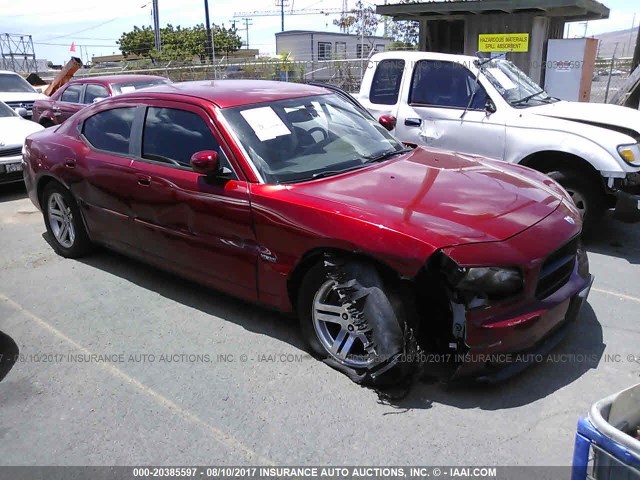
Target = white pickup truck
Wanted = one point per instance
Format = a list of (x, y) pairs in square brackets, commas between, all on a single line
[(489, 107)]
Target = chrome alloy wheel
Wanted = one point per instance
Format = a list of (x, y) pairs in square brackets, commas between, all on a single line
[(61, 220), (336, 331)]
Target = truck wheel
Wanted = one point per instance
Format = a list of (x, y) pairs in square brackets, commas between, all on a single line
[(586, 196), (349, 322), (64, 222)]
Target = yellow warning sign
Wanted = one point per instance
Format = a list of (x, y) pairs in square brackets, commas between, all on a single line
[(503, 42)]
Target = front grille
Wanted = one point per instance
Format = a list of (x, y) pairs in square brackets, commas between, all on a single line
[(557, 268), (11, 152), (27, 105)]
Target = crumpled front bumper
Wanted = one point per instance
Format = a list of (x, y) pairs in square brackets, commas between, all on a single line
[(498, 337), (494, 367)]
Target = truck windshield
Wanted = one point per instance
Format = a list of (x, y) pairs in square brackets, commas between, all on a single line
[(514, 85), (304, 138), (10, 82)]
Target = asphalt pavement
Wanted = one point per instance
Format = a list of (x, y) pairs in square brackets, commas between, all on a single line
[(122, 364)]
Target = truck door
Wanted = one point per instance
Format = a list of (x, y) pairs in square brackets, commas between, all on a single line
[(434, 111), (381, 92)]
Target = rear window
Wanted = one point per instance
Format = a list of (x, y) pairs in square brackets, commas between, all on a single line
[(127, 87), (386, 82), (110, 130)]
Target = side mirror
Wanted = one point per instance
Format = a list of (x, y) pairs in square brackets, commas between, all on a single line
[(489, 106), (22, 112), (205, 162), (387, 121), (98, 99)]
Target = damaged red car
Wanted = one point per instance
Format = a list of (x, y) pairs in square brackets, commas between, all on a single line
[(293, 197)]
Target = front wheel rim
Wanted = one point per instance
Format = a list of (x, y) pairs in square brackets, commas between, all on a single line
[(335, 329), (61, 220)]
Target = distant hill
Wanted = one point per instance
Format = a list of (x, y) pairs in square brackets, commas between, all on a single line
[(626, 40)]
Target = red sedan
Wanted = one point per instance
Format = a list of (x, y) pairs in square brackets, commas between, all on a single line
[(78, 93), (291, 196)]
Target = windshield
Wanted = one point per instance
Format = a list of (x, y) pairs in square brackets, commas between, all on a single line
[(514, 85), (127, 87), (304, 138), (6, 111), (14, 83)]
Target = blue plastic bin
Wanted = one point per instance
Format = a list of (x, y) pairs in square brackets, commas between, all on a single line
[(603, 450)]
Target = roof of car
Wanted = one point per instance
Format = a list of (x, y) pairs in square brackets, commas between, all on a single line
[(9, 71), (115, 79), (234, 93)]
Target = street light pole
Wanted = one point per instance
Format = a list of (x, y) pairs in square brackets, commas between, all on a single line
[(208, 26)]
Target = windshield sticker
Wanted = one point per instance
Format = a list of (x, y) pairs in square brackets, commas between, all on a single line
[(504, 81), (127, 89), (265, 123)]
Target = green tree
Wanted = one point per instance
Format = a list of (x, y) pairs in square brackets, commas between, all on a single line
[(178, 43), (360, 20), (404, 32)]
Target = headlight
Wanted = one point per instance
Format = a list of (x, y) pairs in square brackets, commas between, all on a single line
[(630, 154), (495, 282)]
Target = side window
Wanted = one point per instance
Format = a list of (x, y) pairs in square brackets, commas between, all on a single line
[(94, 91), (385, 86), (445, 84), (171, 134), (324, 50), (110, 130), (362, 50), (72, 94)]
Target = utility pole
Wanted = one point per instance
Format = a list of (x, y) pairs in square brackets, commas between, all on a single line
[(247, 22), (281, 4), (209, 46), (156, 24)]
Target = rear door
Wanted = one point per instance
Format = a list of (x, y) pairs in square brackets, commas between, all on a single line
[(197, 226), (69, 102), (435, 111), (105, 166)]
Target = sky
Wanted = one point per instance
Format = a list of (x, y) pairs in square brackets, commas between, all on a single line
[(94, 26)]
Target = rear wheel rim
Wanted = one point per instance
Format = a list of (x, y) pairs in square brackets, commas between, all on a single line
[(61, 220), (579, 200), (336, 331)]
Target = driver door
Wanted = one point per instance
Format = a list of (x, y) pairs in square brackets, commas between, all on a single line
[(197, 226), (435, 115)]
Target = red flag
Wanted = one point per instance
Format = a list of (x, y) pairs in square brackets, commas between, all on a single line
[(73, 47)]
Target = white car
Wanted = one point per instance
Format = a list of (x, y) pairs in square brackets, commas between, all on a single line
[(13, 130), (16, 92)]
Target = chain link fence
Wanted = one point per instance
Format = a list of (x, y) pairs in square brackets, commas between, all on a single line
[(609, 75), (345, 73)]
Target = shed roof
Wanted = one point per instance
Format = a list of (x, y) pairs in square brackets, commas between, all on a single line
[(572, 10)]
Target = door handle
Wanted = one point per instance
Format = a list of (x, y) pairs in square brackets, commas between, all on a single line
[(144, 180), (413, 122), (69, 163)]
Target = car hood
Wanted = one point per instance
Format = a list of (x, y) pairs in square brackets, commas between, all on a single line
[(624, 119), (21, 96), (13, 130), (440, 197)]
